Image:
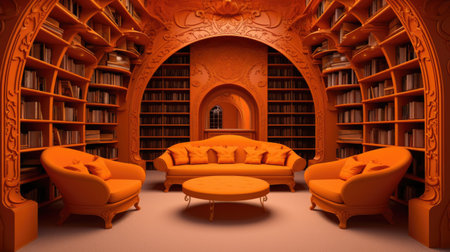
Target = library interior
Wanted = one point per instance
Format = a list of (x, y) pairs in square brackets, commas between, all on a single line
[(335, 106)]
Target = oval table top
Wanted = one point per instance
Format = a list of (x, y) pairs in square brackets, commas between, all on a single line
[(226, 188)]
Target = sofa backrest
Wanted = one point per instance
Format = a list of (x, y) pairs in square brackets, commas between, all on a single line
[(231, 140)]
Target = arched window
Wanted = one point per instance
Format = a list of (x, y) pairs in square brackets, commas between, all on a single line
[(215, 117)]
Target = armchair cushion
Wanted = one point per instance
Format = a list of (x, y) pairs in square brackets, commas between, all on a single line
[(225, 154), (276, 156), (99, 168), (373, 167), (77, 168), (254, 155), (328, 188), (122, 188), (351, 168), (179, 155), (198, 155)]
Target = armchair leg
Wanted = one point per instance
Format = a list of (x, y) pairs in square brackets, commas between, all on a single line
[(136, 205), (388, 215), (63, 215), (313, 204), (343, 217), (291, 186), (167, 186), (107, 217)]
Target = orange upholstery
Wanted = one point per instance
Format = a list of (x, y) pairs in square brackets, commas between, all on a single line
[(79, 167), (362, 194), (87, 193), (198, 154), (273, 174), (351, 168), (254, 155), (276, 156), (179, 155), (99, 168), (225, 154)]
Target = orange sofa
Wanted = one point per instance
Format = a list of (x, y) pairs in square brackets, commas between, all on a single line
[(362, 194), (89, 194), (273, 174)]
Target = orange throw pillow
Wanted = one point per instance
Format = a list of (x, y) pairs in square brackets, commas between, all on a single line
[(254, 155), (225, 154), (99, 168), (373, 167), (276, 156), (179, 155), (351, 168), (79, 167), (198, 155)]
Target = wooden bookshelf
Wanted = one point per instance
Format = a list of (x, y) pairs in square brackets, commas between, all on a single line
[(165, 107), (290, 107), (65, 79), (386, 74)]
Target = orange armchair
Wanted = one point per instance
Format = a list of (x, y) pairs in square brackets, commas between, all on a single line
[(89, 194), (362, 194)]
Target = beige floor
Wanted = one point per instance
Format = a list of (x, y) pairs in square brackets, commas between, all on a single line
[(163, 224)]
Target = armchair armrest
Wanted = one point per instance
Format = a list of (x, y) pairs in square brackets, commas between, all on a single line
[(327, 170), (296, 162), (163, 162), (121, 170)]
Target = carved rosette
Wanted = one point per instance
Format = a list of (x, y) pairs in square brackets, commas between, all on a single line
[(415, 29), (23, 41)]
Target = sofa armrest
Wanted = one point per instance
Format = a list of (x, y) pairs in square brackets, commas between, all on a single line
[(296, 162), (121, 170), (163, 162), (327, 170)]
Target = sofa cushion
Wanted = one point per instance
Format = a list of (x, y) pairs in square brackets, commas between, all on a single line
[(373, 167), (254, 155), (351, 168), (78, 168), (276, 156), (225, 154), (122, 188), (179, 155), (198, 155), (99, 168), (329, 189), (230, 169)]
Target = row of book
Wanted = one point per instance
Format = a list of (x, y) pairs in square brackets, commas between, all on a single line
[(349, 97), (113, 15), (96, 135), (294, 143), (151, 143), (64, 112), (70, 65), (30, 109), (170, 96), (319, 47), (290, 95), (334, 60), (350, 116), (105, 151), (31, 139), (163, 71), (342, 77), (346, 28), (350, 135), (150, 155), (404, 53), (114, 59), (102, 77), (385, 113), (379, 89), (337, 15), (415, 138), (63, 137), (164, 108), (159, 131), (371, 42), (296, 131), (381, 136), (100, 116), (165, 119), (291, 108), (292, 83), (130, 46), (374, 66), (412, 81), (285, 71), (278, 59), (99, 96), (375, 6), (41, 51), (413, 110), (72, 6), (101, 29), (53, 26), (322, 7), (159, 83), (131, 9), (178, 59), (31, 79), (66, 88), (347, 151), (289, 119)]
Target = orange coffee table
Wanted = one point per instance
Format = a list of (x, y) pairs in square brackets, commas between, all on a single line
[(225, 188)]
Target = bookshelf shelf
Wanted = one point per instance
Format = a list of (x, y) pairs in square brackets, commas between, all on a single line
[(102, 142), (380, 76), (81, 53), (102, 105), (33, 149), (383, 15), (48, 202), (36, 178), (64, 74), (31, 92), (349, 105), (107, 86), (114, 69), (342, 87), (39, 64), (335, 69)]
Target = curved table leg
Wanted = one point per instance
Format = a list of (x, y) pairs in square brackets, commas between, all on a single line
[(211, 210), (262, 200), (188, 199)]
